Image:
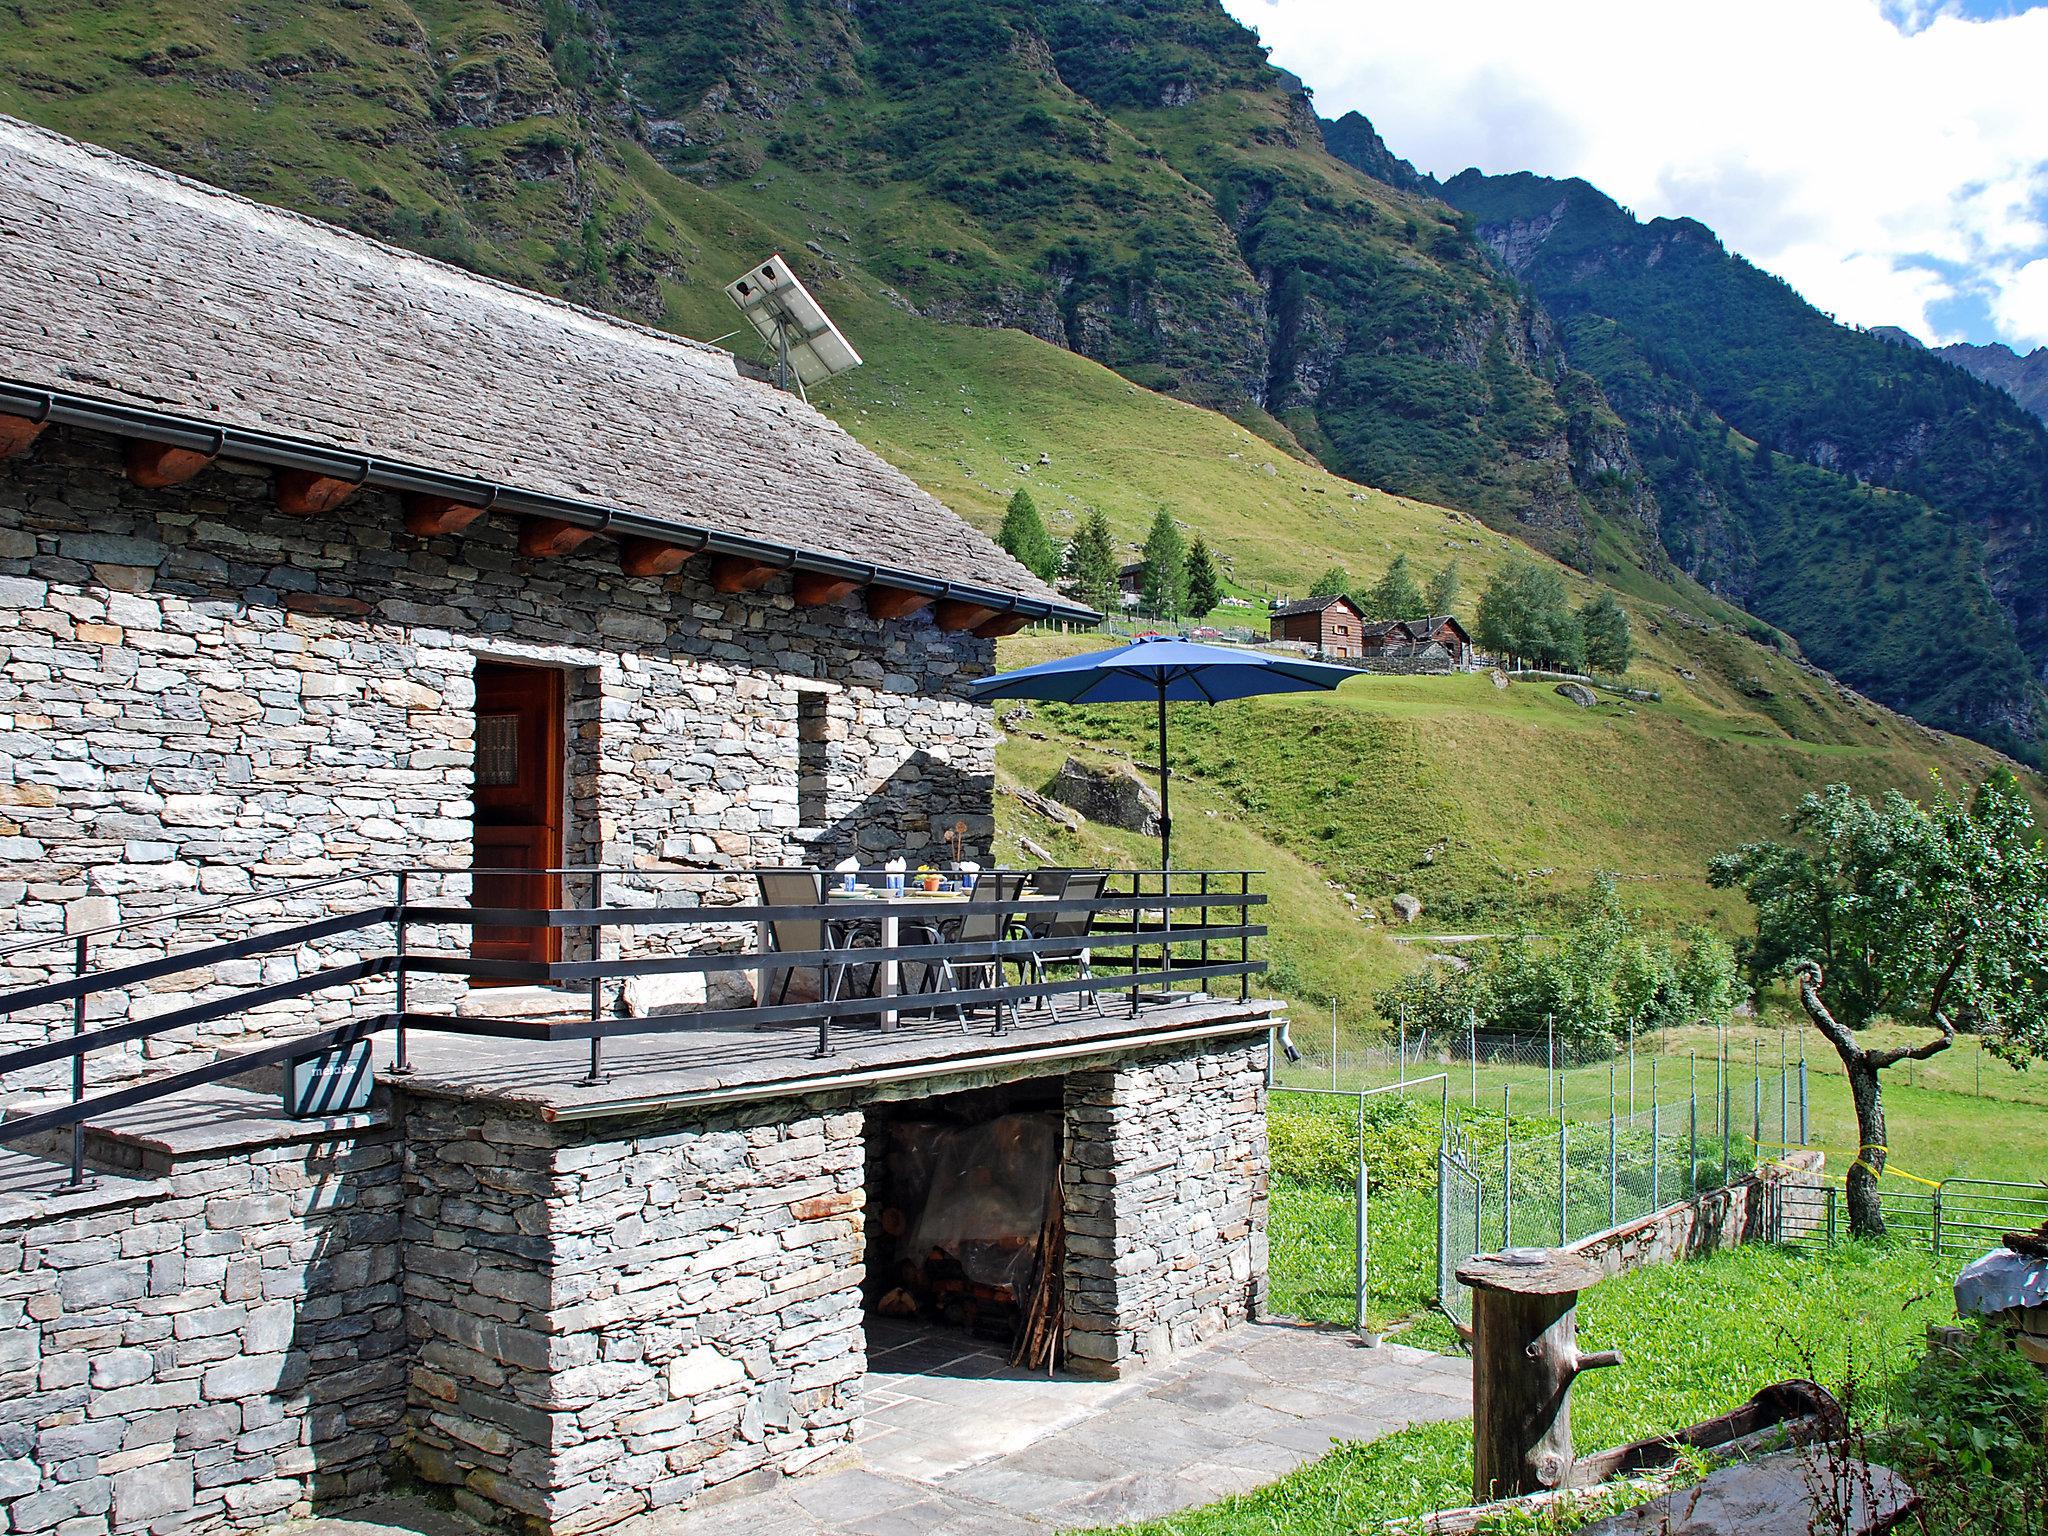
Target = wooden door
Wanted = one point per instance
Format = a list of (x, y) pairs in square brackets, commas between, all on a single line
[(519, 760)]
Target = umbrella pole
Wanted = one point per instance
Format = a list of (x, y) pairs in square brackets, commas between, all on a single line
[(1165, 791), (1165, 849)]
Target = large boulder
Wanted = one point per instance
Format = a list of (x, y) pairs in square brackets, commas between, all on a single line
[(1407, 907), (1109, 795), (1579, 694)]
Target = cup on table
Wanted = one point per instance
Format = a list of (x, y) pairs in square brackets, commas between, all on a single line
[(896, 882)]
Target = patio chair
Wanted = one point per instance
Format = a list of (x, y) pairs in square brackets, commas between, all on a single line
[(984, 921), (1074, 885), (796, 935)]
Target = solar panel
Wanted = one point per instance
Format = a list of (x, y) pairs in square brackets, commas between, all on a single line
[(806, 343)]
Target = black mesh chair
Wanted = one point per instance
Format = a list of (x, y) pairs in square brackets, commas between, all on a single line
[(985, 921), (801, 935), (1072, 927)]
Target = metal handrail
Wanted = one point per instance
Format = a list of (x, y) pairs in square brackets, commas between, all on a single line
[(245, 898), (1139, 933)]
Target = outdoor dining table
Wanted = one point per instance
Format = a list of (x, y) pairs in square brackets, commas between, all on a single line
[(887, 909)]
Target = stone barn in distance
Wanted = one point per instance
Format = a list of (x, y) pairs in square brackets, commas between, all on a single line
[(404, 671)]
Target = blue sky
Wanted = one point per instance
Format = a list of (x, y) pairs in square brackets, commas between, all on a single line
[(1889, 158)]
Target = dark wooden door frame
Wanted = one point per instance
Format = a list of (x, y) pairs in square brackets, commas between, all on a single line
[(519, 801)]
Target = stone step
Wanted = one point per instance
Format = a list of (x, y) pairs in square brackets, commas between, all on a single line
[(206, 1124)]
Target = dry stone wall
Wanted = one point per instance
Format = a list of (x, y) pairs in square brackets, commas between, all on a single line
[(215, 1344), (205, 698), (608, 1325), (1166, 1181)]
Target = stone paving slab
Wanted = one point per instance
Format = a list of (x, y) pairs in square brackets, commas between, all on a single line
[(1017, 1454)]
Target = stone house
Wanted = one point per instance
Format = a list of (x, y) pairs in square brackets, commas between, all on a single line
[(321, 561)]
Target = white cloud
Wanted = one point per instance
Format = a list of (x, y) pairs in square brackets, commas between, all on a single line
[(2021, 304), (1884, 156)]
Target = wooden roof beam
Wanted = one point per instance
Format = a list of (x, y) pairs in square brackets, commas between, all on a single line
[(157, 466), (549, 538), (731, 573), (428, 517), (955, 615), (651, 557), (301, 493), (885, 602), (17, 433), (814, 589), (1002, 624)]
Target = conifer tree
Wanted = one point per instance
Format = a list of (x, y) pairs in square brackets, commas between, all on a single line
[(1609, 644), (1092, 563), (1023, 535), (1205, 587), (1163, 586)]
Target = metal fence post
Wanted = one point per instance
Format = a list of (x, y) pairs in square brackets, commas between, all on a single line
[(1472, 1052), (597, 1074), (1564, 1209), (1784, 1091), (1692, 1135), (1333, 1042), (1631, 1071), (1937, 1221), (1613, 1167), (1831, 1213), (1802, 1096), (1655, 1158), (1364, 1244), (1404, 1046), (1726, 1113), (1692, 1143), (1756, 1101), (1550, 1081), (400, 1062), (81, 955), (1507, 1166)]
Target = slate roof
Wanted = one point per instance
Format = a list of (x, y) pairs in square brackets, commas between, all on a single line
[(130, 285), (1309, 605)]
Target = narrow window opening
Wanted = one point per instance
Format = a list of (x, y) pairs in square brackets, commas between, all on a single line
[(813, 759)]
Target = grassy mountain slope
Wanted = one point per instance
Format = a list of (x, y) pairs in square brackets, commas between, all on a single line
[(504, 138), (1135, 183), (1689, 341)]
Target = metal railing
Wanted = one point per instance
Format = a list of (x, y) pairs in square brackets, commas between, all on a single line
[(1161, 924), (1956, 1217)]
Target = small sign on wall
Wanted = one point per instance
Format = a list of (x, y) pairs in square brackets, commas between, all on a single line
[(335, 1082)]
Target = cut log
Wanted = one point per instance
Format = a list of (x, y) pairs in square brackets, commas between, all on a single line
[(954, 615), (429, 517), (17, 433), (896, 602), (157, 466), (652, 557), (814, 589), (1799, 1402), (301, 493), (1001, 625), (549, 538), (1525, 1356), (729, 573)]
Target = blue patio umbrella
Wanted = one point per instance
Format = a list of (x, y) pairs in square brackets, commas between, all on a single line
[(1163, 670)]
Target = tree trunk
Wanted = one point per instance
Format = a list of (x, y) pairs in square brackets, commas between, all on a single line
[(1866, 1211)]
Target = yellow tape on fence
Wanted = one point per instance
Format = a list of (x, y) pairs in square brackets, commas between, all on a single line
[(1879, 1173)]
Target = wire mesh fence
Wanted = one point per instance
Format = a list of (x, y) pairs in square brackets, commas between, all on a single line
[(1569, 1071), (1517, 1184)]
